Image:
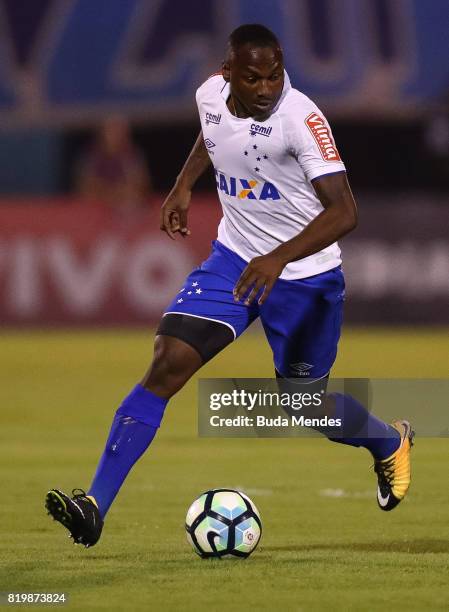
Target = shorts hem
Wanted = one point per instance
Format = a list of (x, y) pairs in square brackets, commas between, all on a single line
[(189, 314)]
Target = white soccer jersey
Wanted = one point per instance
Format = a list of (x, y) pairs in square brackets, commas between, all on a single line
[(264, 171)]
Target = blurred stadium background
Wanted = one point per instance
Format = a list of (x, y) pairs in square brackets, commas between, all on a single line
[(71, 256)]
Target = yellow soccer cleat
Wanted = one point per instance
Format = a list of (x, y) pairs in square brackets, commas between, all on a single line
[(393, 473)]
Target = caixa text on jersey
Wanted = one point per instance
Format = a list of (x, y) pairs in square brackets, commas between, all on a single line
[(249, 189)]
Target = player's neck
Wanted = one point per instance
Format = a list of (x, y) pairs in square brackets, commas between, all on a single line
[(236, 108)]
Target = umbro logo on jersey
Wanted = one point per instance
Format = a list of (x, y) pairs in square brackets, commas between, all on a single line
[(246, 189), (263, 130), (211, 118), (210, 144)]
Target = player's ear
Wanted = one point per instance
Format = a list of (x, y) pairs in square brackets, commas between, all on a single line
[(226, 71)]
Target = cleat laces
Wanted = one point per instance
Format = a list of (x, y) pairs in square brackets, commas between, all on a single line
[(385, 472)]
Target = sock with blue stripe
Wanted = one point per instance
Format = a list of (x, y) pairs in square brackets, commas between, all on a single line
[(134, 426)]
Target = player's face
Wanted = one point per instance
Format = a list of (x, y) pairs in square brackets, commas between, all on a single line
[(256, 75)]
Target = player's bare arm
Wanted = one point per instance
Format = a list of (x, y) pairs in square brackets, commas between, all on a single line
[(173, 217), (337, 219)]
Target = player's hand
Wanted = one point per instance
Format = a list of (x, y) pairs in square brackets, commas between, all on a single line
[(173, 217), (260, 272)]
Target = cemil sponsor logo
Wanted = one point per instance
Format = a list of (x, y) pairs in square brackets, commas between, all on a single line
[(211, 118), (246, 189), (263, 130), (323, 137)]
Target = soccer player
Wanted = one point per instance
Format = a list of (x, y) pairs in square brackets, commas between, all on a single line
[(286, 201)]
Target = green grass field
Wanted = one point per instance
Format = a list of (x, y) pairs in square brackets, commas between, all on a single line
[(325, 543)]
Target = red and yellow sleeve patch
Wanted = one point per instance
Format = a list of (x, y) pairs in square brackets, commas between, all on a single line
[(323, 137)]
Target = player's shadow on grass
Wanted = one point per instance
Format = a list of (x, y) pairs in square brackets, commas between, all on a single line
[(419, 546)]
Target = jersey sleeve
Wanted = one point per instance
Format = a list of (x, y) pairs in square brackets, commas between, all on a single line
[(199, 96), (209, 89), (312, 143)]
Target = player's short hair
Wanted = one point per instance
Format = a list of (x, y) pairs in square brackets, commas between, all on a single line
[(254, 34)]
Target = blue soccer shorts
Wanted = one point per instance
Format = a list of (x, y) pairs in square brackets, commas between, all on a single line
[(301, 318)]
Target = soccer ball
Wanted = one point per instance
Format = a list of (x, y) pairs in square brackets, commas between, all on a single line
[(223, 522)]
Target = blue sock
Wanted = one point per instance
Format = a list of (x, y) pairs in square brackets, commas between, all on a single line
[(361, 428), (134, 426)]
